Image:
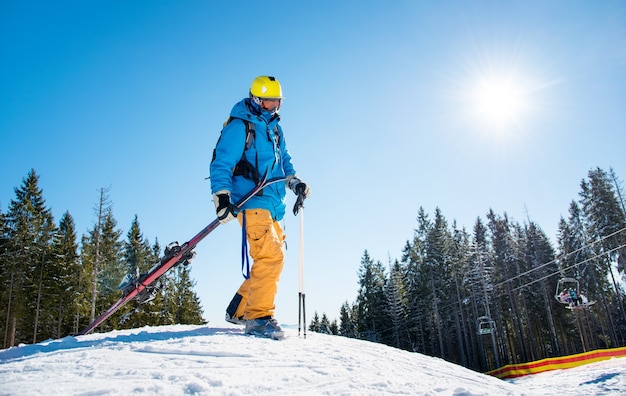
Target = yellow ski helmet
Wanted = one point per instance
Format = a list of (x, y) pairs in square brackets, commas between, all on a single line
[(266, 87)]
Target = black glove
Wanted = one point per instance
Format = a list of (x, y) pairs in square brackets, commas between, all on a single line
[(224, 209), (299, 187)]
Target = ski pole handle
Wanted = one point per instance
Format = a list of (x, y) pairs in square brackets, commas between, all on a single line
[(299, 204)]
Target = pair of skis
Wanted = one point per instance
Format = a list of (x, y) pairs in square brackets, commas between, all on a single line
[(144, 287)]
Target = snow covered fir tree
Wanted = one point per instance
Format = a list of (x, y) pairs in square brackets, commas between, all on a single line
[(481, 298)]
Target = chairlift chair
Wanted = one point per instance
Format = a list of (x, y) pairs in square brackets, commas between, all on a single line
[(562, 296), (562, 285), (485, 325)]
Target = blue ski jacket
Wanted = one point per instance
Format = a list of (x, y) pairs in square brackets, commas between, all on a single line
[(267, 152)]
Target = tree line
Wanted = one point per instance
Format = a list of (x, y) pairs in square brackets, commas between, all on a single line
[(486, 298), (52, 284), (481, 299)]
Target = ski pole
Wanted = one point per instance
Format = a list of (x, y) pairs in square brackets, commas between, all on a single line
[(301, 306)]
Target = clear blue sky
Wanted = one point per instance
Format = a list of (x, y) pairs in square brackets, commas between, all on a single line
[(461, 105)]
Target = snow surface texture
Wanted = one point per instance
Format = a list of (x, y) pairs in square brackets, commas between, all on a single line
[(194, 360)]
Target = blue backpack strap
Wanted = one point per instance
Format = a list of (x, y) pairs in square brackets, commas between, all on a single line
[(245, 258)]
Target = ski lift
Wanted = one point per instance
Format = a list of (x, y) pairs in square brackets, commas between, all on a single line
[(562, 286), (568, 292), (485, 325)]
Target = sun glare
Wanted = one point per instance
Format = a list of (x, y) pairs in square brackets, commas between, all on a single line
[(499, 91), (498, 102)]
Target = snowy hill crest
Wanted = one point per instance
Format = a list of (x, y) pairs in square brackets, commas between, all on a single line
[(198, 360)]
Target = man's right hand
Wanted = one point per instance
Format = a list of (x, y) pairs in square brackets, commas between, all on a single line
[(224, 209)]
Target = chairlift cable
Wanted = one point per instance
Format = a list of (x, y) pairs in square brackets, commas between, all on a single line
[(565, 256)]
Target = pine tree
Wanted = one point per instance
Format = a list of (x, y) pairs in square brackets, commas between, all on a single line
[(459, 252), (371, 299), (102, 266), (575, 257), (138, 258), (478, 279), (187, 308), (334, 327), (603, 209), (437, 266), (419, 307), (31, 227), (605, 222), (621, 197), (397, 304), (540, 257), (325, 325), (91, 261), (137, 251), (347, 321), (65, 276), (6, 275), (315, 323)]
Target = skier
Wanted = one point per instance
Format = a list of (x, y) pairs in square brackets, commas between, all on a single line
[(584, 301), (575, 298), (239, 157)]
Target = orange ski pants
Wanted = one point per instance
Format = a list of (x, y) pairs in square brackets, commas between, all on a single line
[(266, 244)]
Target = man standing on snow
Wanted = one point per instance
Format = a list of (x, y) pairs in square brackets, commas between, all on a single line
[(250, 144)]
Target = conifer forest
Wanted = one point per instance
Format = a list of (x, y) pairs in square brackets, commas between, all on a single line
[(480, 297), (489, 296), (53, 283)]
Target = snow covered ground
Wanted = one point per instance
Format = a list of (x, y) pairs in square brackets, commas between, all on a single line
[(200, 360)]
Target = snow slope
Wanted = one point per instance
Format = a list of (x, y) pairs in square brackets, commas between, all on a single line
[(198, 360)]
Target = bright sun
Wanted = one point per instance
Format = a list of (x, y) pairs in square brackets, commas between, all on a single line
[(499, 93), (498, 101)]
